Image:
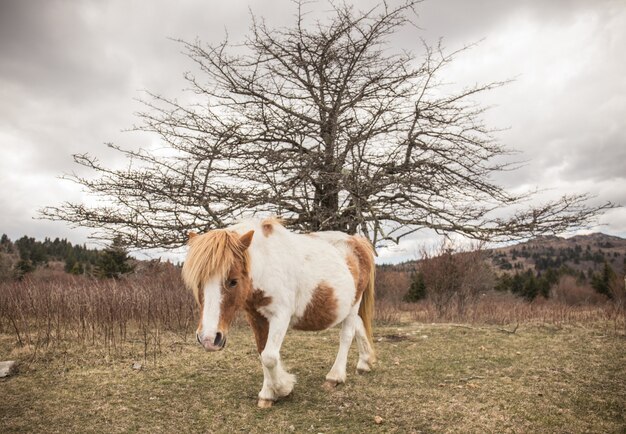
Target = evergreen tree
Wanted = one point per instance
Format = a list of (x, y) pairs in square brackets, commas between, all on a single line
[(70, 261), (517, 284), (417, 290), (602, 283), (23, 266), (114, 260), (544, 285), (504, 283), (531, 287), (5, 244), (552, 276), (77, 268)]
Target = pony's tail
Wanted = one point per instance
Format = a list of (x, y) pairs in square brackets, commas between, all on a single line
[(366, 308)]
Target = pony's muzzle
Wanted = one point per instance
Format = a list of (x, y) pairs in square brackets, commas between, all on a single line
[(216, 344)]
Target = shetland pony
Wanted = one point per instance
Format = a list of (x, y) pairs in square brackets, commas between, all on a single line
[(283, 279)]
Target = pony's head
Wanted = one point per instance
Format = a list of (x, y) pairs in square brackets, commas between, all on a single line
[(217, 271)]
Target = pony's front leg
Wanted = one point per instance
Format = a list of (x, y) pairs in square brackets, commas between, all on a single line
[(337, 373), (276, 381)]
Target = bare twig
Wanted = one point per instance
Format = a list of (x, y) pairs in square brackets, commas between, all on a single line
[(511, 332)]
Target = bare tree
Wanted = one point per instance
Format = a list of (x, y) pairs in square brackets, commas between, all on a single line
[(455, 277), (325, 125)]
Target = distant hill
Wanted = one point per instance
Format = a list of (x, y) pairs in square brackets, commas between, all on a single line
[(535, 267), (582, 253)]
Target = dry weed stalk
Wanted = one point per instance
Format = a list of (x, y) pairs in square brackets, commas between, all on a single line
[(42, 312)]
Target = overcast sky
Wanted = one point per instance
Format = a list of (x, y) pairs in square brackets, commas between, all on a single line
[(71, 71)]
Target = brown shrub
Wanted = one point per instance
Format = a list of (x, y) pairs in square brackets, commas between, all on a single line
[(7, 264), (386, 313), (568, 291), (455, 279), (391, 285), (617, 289)]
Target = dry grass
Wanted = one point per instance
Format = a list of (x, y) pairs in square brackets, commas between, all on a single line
[(429, 378), (505, 308)]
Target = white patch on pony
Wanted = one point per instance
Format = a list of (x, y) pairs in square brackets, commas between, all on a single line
[(211, 308)]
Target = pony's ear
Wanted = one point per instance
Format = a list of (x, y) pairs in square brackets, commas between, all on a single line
[(191, 235), (246, 239)]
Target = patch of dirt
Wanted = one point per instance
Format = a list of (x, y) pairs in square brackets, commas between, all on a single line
[(396, 338)]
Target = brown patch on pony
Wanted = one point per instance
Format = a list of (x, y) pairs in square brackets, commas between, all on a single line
[(321, 312), (200, 301), (268, 225), (353, 266), (260, 324), (233, 298), (190, 235), (360, 259), (258, 299)]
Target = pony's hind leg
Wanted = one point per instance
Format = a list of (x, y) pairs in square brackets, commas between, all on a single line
[(337, 373), (366, 353)]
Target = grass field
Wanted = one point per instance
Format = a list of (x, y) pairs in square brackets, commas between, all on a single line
[(429, 378)]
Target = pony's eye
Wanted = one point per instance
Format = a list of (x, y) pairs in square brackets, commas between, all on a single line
[(232, 283)]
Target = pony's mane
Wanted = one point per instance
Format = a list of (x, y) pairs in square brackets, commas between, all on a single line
[(210, 254)]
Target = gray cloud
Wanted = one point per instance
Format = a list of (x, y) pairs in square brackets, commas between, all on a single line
[(69, 73)]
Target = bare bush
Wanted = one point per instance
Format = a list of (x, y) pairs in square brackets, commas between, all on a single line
[(386, 313), (442, 278), (570, 292), (7, 265), (617, 289), (391, 285), (476, 278), (455, 279)]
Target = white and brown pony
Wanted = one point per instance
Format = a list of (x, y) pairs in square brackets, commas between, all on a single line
[(283, 279)]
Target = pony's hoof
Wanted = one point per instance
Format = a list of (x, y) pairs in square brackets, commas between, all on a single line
[(363, 366), (330, 384), (265, 403)]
